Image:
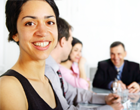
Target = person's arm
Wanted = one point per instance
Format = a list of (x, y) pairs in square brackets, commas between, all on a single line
[(76, 82), (82, 71), (12, 96), (110, 85), (80, 80), (73, 80), (81, 65)]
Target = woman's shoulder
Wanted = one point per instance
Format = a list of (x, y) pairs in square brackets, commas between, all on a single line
[(63, 68), (7, 79), (10, 88), (8, 83)]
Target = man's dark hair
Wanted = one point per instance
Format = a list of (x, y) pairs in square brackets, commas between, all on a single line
[(63, 29), (116, 43), (12, 11)]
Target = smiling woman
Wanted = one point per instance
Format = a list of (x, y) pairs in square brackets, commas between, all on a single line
[(33, 26)]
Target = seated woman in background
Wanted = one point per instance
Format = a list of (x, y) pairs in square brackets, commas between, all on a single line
[(73, 69), (32, 24)]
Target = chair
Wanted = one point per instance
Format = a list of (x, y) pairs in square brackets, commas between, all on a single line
[(92, 72)]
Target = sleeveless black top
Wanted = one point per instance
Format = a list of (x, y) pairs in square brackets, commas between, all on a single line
[(35, 102)]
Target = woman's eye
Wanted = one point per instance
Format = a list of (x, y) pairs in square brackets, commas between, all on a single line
[(50, 23), (29, 24)]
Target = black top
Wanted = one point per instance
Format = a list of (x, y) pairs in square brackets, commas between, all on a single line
[(106, 73), (35, 102)]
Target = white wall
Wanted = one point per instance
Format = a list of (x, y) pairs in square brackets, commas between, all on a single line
[(10, 49), (97, 23), (2, 36)]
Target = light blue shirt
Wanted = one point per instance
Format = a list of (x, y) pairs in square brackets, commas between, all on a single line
[(120, 74)]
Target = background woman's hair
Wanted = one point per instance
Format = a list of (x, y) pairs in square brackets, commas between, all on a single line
[(75, 41)]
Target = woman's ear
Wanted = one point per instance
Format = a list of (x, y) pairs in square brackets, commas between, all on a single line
[(15, 38)]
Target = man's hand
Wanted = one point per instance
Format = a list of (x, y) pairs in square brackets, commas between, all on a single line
[(117, 106), (134, 87), (114, 101), (112, 98)]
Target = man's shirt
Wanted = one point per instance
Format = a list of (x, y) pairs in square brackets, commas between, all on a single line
[(119, 74)]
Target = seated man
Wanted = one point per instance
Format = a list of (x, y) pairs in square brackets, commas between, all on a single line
[(68, 95), (126, 72)]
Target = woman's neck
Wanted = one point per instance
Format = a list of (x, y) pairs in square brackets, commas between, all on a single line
[(30, 69), (67, 64)]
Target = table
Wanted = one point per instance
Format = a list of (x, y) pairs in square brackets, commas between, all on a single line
[(104, 92), (99, 90)]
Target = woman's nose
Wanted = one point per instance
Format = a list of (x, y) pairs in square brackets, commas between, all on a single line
[(42, 30), (79, 53)]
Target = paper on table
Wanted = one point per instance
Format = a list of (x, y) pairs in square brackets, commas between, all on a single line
[(102, 93), (90, 105)]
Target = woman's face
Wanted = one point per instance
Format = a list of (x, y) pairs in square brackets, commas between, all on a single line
[(37, 30), (75, 54)]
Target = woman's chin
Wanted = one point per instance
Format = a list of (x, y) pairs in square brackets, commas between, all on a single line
[(76, 61)]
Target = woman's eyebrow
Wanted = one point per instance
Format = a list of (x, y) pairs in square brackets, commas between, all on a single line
[(33, 17), (49, 16)]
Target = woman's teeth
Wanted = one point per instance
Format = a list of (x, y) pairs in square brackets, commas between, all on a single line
[(41, 44)]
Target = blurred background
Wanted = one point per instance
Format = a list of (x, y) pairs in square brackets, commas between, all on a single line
[(97, 23)]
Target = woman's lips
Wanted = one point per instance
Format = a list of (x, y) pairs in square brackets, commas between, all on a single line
[(42, 45)]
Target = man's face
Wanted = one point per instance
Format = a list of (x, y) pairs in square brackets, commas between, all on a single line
[(117, 55)]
